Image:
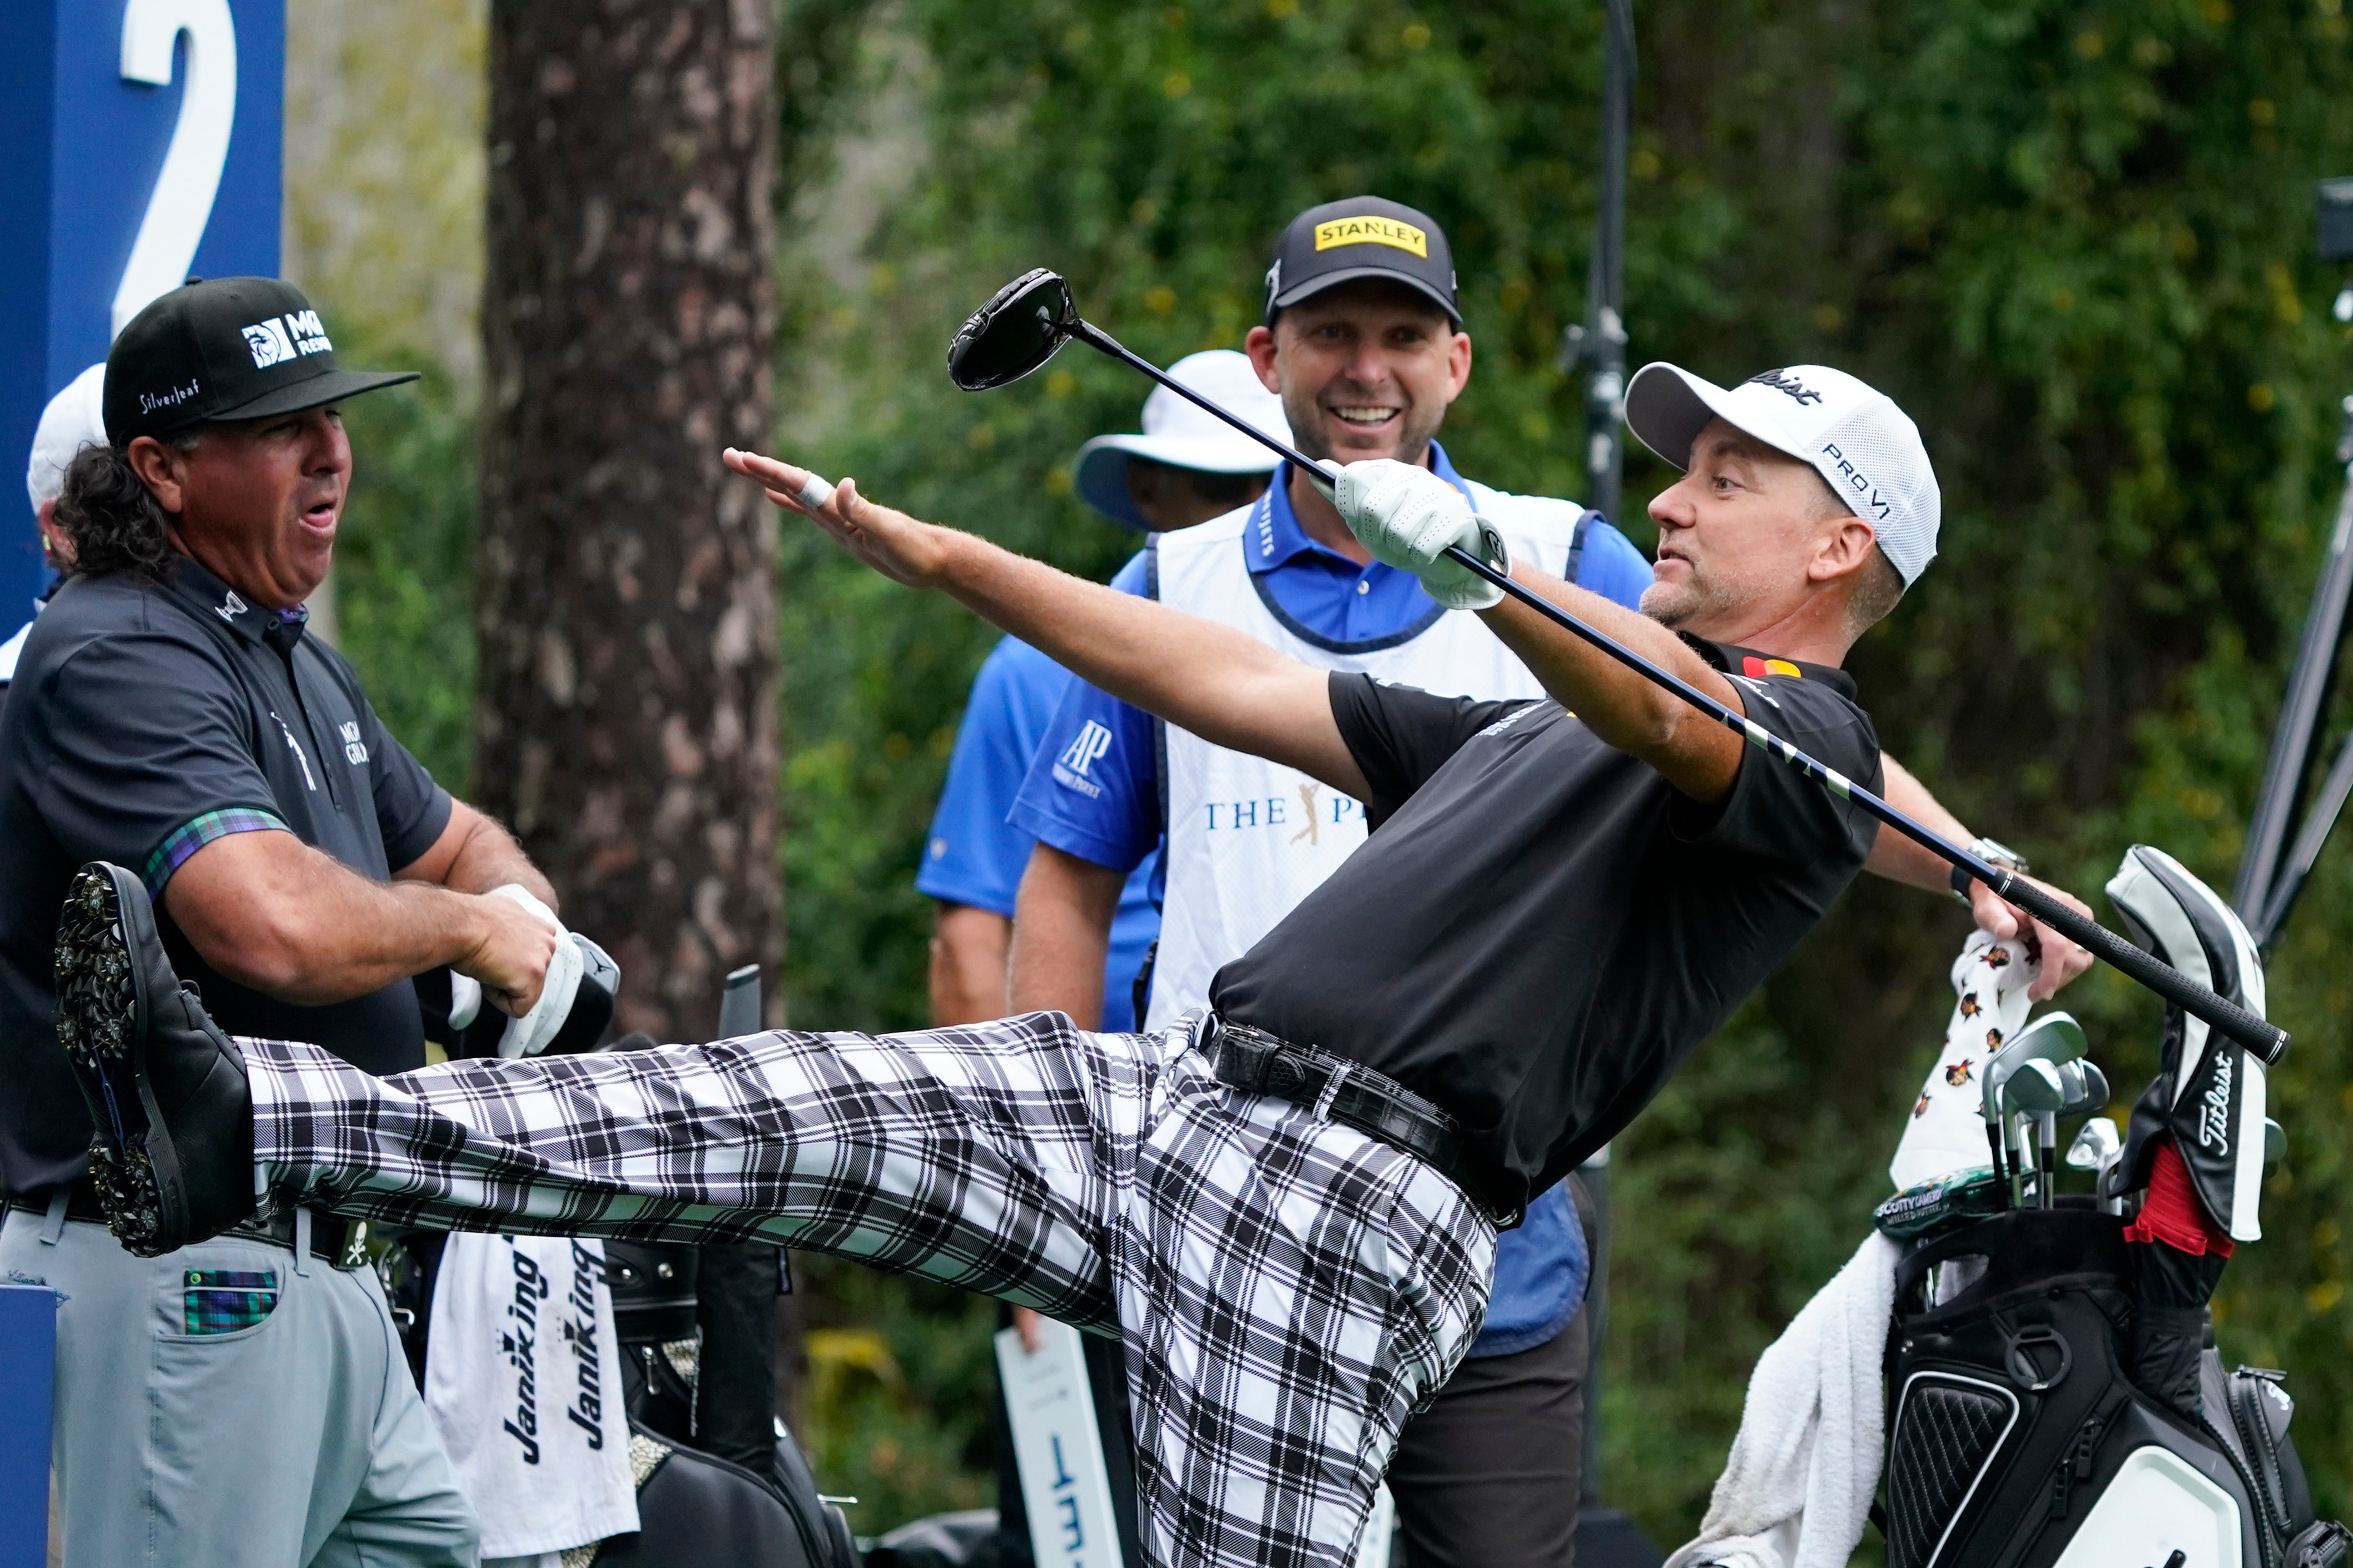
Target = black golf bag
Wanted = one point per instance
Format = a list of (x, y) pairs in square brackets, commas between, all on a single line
[(2017, 1440), (695, 1509)]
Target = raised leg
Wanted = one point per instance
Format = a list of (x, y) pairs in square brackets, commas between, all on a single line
[(980, 1157)]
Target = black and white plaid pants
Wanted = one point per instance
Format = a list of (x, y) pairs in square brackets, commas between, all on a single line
[(1289, 1290)]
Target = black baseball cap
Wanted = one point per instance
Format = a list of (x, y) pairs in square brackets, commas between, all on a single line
[(1363, 237), (224, 348)]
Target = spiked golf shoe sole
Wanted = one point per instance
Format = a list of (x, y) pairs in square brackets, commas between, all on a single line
[(100, 1021)]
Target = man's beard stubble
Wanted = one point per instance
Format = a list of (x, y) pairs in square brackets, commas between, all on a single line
[(1680, 607)]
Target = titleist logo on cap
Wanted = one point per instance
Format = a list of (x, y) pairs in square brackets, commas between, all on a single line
[(1782, 380)]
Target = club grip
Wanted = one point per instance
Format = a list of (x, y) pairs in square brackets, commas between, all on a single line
[(2266, 1039)]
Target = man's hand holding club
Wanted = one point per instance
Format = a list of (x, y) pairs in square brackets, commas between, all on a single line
[(1408, 517)]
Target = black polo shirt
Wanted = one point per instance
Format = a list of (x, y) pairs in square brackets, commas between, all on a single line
[(1540, 928), (145, 721)]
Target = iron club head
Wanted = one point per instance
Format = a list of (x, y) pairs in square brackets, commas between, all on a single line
[(2095, 1145), (2034, 1088), (2033, 1094), (2087, 1086), (2053, 1037), (1023, 325)]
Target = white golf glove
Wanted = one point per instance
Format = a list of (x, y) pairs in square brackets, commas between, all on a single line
[(1407, 516), (529, 1035)]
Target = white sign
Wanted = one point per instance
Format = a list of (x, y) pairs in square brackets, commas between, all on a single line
[(1058, 1449)]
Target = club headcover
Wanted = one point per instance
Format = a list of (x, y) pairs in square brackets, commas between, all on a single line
[(2209, 1092)]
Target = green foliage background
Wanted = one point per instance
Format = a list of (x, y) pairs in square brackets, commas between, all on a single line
[(2072, 237)]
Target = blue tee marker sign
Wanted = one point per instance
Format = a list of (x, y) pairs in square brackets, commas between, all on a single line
[(140, 141)]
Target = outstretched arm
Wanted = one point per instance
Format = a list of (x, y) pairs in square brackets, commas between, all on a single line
[(1225, 687), (1699, 756)]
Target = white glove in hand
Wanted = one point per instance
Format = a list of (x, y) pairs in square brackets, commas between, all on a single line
[(529, 1035), (1407, 516)]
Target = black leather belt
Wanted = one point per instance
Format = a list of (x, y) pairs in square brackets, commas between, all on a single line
[(342, 1242), (1355, 1096)]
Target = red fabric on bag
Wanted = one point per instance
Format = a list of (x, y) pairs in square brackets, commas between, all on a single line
[(2172, 1214)]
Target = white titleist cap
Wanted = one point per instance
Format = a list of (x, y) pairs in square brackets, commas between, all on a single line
[(75, 418), (1184, 435), (1855, 437)]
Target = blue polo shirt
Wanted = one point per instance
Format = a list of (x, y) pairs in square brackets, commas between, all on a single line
[(975, 857), (1333, 601)]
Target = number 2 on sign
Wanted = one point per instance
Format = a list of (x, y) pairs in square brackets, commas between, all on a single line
[(182, 201)]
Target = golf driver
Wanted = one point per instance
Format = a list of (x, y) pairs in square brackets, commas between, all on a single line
[(1026, 323)]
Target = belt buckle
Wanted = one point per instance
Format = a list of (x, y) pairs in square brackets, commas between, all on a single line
[(355, 1246)]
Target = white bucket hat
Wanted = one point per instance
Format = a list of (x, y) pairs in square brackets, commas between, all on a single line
[(1185, 436), (75, 418), (1867, 450)]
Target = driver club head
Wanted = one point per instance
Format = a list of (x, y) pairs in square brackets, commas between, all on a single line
[(2095, 1145), (1022, 327)]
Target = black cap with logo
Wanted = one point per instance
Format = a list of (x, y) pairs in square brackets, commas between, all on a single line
[(1363, 237), (224, 348)]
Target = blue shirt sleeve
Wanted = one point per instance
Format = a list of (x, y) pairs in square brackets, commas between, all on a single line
[(1094, 783), (973, 855), (1611, 566)]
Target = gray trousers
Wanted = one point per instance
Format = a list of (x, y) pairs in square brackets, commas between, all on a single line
[(299, 1443)]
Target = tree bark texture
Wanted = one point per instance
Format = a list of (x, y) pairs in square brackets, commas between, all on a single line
[(626, 718)]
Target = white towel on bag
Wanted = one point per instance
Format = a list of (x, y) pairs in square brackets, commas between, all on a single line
[(1797, 1489), (522, 1377)]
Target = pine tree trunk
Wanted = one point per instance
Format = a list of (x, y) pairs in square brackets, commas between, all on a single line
[(626, 722)]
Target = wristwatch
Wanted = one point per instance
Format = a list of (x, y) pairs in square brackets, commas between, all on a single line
[(1994, 852)]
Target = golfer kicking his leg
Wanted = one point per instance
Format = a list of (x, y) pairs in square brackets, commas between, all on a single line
[(1286, 1206)]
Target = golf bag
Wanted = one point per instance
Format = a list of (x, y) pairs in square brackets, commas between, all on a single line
[(696, 1509), (2053, 1401), (2017, 1439)]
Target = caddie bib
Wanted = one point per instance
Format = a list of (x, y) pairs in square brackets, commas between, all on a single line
[(1247, 839)]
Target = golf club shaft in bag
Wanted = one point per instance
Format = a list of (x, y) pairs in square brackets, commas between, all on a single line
[(1029, 319)]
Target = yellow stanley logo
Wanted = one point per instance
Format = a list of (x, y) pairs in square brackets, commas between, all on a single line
[(1372, 231)]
